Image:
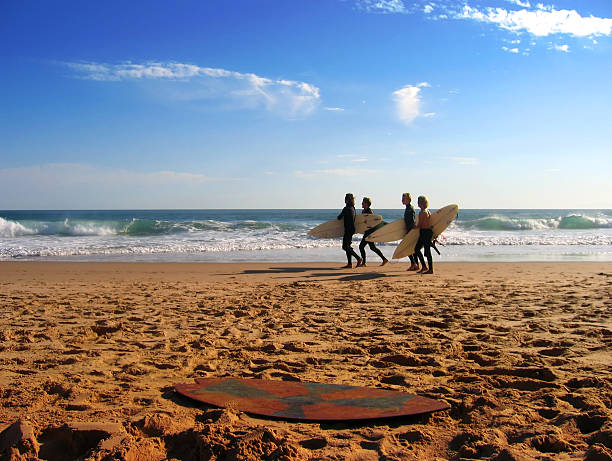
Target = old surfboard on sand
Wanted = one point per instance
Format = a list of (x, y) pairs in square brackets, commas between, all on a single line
[(389, 233), (307, 401), (335, 227), (440, 220)]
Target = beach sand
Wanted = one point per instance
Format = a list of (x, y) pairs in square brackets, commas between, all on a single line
[(89, 354)]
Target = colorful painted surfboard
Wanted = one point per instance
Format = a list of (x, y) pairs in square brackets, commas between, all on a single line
[(307, 401)]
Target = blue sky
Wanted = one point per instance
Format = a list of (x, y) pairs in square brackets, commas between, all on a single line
[(291, 104)]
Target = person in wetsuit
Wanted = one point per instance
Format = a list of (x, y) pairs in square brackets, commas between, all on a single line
[(425, 236), (410, 220), (348, 214), (365, 205)]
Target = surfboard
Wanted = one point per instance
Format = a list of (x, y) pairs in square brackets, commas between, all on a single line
[(408, 242), (307, 401), (440, 220), (335, 227), (389, 233)]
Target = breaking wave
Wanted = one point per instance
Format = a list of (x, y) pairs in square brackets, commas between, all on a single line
[(506, 223)]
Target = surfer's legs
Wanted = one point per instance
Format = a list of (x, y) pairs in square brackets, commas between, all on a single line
[(421, 259), (417, 251), (425, 242), (414, 266), (347, 240), (377, 251), (429, 259), (362, 246)]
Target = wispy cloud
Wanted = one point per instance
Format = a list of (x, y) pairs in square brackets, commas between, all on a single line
[(524, 4), (289, 97), (564, 48), (353, 158), (465, 160), (408, 102), (81, 185), (334, 109), (80, 173), (342, 172), (384, 6)]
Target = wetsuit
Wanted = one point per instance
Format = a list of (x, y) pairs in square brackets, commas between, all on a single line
[(372, 246), (348, 214), (425, 237), (410, 219)]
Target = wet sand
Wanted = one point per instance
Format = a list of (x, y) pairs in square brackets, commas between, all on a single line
[(89, 353)]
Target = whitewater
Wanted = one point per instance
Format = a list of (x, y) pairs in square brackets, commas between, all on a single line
[(280, 235)]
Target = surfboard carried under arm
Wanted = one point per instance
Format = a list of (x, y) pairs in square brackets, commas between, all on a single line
[(335, 227), (439, 220), (389, 233)]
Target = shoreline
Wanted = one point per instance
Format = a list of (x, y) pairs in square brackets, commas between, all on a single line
[(520, 351), (11, 271)]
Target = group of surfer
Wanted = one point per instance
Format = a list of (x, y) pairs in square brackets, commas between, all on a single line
[(410, 218)]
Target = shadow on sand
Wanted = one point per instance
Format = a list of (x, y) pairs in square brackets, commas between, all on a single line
[(321, 272)]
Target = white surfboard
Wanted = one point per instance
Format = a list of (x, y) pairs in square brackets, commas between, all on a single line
[(407, 245), (389, 232), (440, 220), (335, 227)]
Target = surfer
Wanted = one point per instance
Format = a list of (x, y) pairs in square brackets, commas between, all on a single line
[(366, 203), (410, 220), (425, 236), (348, 214)]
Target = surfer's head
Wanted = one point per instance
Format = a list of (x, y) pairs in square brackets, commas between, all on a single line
[(406, 198), (349, 199), (423, 202), (366, 202)]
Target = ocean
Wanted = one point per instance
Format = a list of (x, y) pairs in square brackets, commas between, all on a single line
[(280, 236)]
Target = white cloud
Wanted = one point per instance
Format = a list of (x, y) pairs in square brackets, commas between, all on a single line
[(520, 3), (288, 97), (353, 158), (408, 102), (542, 21), (510, 50), (383, 6), (334, 109), (465, 160), (84, 186), (539, 20), (564, 48), (80, 173), (342, 172), (429, 114)]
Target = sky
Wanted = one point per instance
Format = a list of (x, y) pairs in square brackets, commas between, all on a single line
[(292, 103)]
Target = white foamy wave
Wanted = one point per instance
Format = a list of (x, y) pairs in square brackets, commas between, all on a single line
[(464, 238), (14, 229)]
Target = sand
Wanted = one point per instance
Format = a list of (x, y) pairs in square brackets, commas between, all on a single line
[(89, 353)]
